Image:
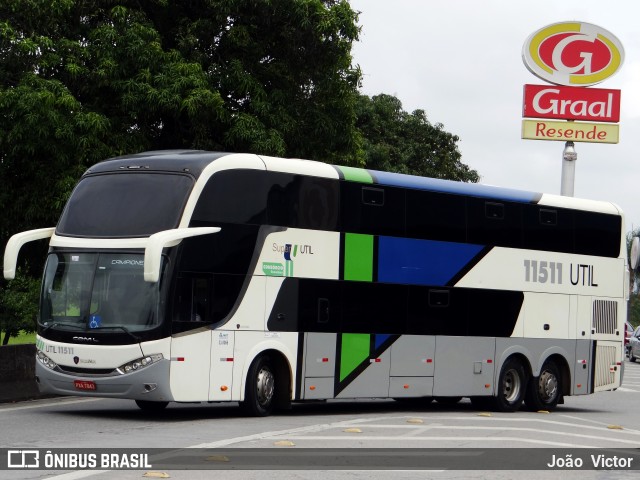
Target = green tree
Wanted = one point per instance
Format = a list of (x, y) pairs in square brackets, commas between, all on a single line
[(398, 141), (81, 81), (19, 307)]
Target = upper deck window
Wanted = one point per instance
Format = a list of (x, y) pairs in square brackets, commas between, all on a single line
[(125, 205)]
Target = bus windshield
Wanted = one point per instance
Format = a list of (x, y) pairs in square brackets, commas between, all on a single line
[(125, 205), (98, 291)]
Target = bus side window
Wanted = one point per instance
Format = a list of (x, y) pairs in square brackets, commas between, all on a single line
[(373, 196), (218, 201), (436, 216), (597, 234), (192, 300), (303, 202), (494, 223), (377, 211), (548, 229), (200, 300), (319, 305)]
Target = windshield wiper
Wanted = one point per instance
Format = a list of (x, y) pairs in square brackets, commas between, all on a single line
[(62, 324), (120, 327)]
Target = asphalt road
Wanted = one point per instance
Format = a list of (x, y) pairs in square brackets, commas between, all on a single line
[(603, 420)]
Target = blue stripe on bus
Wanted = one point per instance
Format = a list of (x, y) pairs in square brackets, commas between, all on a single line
[(379, 339), (422, 262), (449, 186)]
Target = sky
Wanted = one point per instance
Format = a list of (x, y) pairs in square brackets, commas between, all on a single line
[(461, 62)]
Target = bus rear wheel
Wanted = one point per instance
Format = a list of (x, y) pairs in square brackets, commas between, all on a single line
[(259, 397), (512, 384), (149, 406), (545, 390)]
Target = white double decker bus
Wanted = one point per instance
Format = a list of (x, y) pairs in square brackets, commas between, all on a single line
[(192, 276)]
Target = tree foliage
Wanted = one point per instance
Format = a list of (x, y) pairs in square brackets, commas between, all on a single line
[(18, 307), (397, 141), (81, 81)]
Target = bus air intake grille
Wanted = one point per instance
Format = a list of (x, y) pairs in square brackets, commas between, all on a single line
[(605, 316), (605, 357), (88, 372)]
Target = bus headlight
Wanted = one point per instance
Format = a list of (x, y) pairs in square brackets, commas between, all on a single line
[(46, 361), (136, 365)]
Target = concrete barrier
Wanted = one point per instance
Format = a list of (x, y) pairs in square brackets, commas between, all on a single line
[(17, 373)]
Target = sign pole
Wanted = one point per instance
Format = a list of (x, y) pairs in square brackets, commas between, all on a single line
[(569, 158)]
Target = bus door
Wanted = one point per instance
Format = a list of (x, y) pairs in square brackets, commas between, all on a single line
[(191, 338)]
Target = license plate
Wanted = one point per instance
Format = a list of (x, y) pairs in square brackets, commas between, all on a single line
[(84, 384)]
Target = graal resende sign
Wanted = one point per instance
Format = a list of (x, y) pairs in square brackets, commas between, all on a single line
[(572, 55)]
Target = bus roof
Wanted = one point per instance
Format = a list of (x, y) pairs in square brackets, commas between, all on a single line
[(195, 161)]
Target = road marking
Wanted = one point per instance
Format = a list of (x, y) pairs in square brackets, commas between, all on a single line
[(49, 404), (230, 441), (441, 439), (511, 418), (451, 427), (311, 428), (78, 474)]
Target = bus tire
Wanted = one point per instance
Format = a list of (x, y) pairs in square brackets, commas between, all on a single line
[(512, 384), (150, 406), (544, 391), (260, 390)]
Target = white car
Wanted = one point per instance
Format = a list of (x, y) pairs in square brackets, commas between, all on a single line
[(634, 345)]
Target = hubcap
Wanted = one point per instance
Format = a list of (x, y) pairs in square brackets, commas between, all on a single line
[(266, 384), (547, 386), (511, 386)]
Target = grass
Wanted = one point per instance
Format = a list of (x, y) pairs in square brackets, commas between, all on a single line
[(21, 338)]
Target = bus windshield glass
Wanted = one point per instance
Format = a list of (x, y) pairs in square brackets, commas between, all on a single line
[(88, 291), (129, 204)]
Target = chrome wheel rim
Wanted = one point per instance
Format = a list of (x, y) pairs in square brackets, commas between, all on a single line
[(511, 386), (547, 386), (266, 386)]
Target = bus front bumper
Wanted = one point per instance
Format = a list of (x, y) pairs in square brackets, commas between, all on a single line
[(150, 383)]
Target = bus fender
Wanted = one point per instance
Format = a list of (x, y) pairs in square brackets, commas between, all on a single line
[(248, 359)]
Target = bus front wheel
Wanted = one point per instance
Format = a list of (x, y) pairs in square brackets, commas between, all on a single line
[(545, 390), (259, 397)]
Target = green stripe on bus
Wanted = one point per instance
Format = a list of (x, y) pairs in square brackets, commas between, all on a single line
[(354, 351), (358, 257), (356, 174)]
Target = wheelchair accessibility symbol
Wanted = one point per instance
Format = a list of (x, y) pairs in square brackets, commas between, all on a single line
[(95, 321)]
